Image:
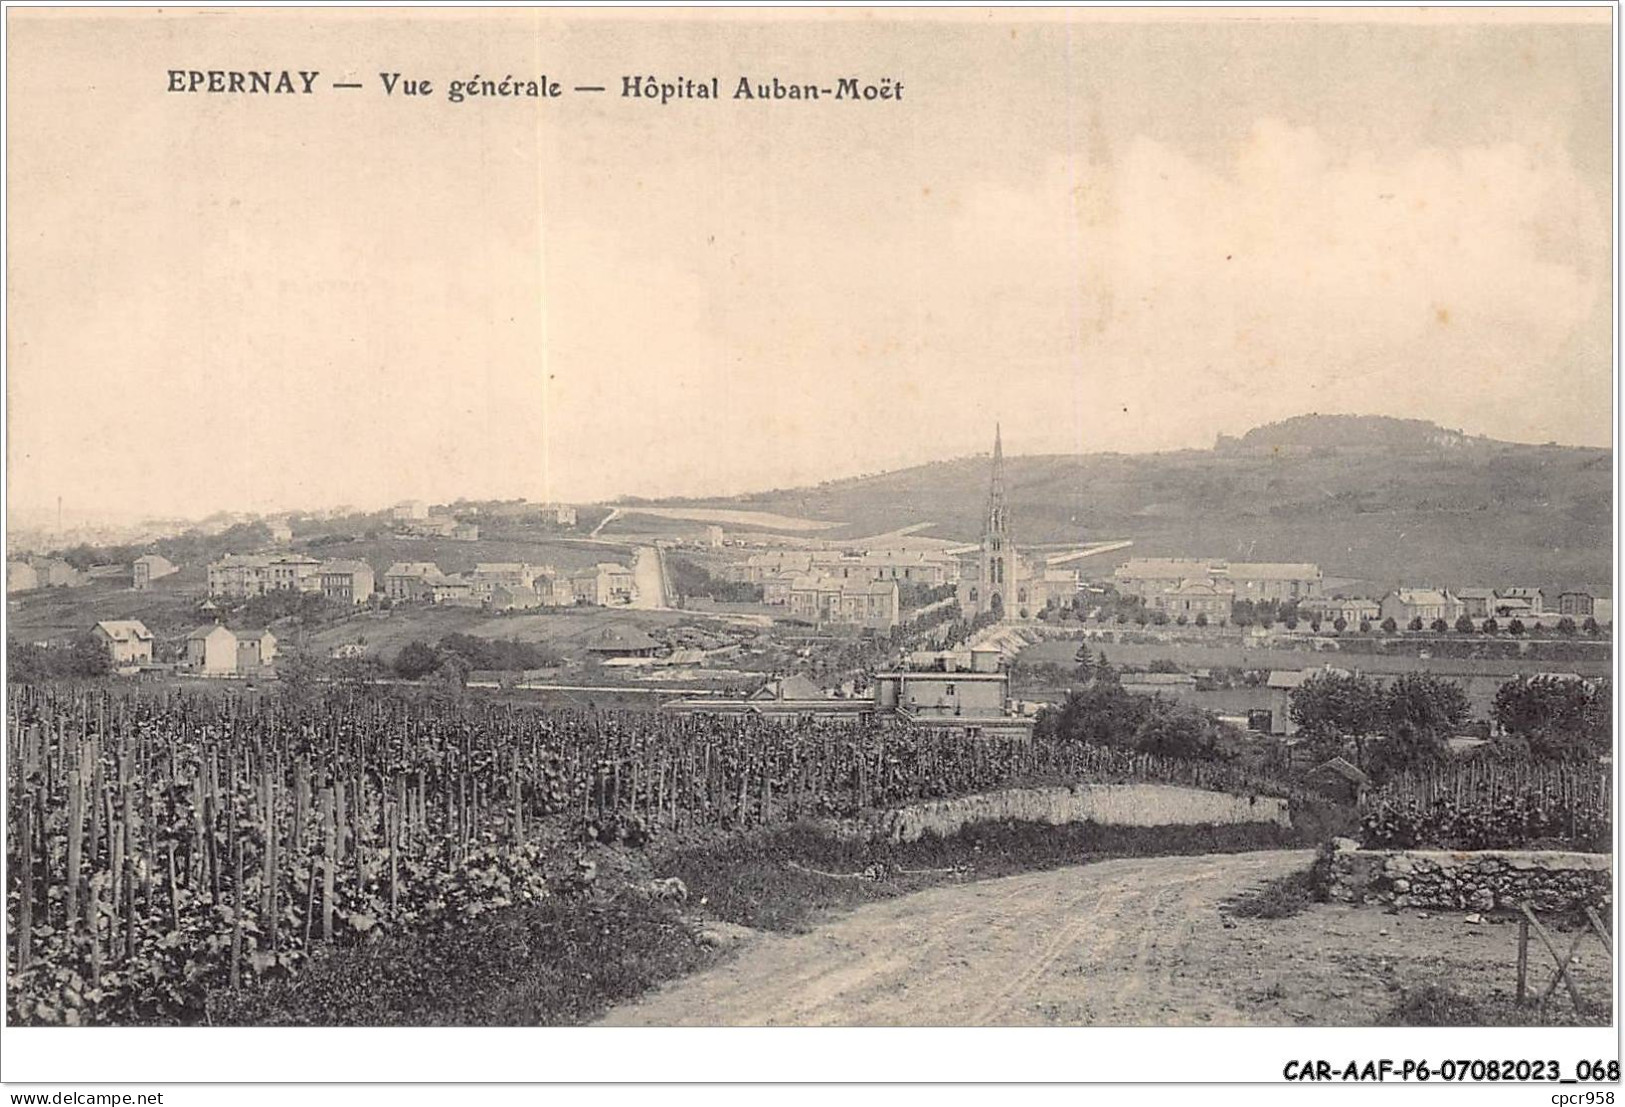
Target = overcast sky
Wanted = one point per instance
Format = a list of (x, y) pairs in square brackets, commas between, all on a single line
[(1109, 234)]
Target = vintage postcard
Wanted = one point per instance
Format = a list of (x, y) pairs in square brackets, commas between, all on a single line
[(861, 517)]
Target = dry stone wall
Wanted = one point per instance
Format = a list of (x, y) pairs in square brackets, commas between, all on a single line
[(1477, 880), (1105, 804)]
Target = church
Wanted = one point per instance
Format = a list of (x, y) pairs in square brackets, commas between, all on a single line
[(1002, 582)]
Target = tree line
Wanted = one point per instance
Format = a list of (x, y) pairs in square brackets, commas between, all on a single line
[(1407, 722)]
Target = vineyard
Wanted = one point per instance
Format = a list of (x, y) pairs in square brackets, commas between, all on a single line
[(162, 846), (1494, 805)]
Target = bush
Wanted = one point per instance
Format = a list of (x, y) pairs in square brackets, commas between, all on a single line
[(84, 658), (493, 653), (416, 661), (1516, 823), (1441, 1005)]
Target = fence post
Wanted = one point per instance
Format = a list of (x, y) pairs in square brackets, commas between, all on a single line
[(1523, 959)]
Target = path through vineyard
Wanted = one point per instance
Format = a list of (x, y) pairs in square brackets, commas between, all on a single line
[(1131, 942), (1102, 944)]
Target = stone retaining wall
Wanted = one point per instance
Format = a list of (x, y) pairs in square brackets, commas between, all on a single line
[(1106, 804), (1478, 880)]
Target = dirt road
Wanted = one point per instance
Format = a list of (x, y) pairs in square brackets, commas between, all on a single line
[(1132, 942), (650, 578), (1098, 944)]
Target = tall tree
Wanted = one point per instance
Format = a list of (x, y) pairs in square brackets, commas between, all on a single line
[(1557, 717), (1332, 707)]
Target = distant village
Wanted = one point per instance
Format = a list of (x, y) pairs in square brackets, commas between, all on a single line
[(922, 629)]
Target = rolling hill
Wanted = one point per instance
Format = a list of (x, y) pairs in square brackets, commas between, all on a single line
[(1369, 498)]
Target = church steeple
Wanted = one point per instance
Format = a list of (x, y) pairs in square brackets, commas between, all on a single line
[(995, 498)]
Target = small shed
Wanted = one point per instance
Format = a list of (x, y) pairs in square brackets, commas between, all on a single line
[(1339, 777)]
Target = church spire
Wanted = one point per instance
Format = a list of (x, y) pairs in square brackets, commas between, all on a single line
[(995, 499)]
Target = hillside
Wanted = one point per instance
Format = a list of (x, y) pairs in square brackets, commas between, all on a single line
[(1383, 500)]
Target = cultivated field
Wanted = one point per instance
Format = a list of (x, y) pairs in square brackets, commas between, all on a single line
[(166, 845)]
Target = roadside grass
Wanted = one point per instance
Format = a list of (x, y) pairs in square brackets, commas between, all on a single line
[(1441, 1005), (560, 963), (1280, 898), (793, 878)]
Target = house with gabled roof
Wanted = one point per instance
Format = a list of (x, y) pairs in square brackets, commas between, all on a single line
[(411, 580), (128, 641), (148, 568), (1403, 605), (212, 650)]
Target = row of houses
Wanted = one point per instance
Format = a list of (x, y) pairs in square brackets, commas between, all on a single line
[(211, 650), (1196, 587), (1406, 605), (508, 586)]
